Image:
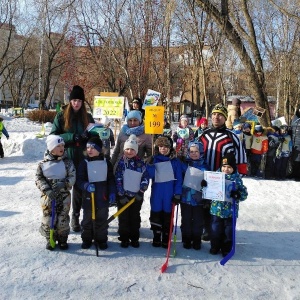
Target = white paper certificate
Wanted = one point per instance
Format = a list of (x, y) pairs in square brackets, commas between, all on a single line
[(215, 189)]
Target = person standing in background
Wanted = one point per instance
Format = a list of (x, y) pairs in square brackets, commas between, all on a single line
[(4, 131), (71, 124)]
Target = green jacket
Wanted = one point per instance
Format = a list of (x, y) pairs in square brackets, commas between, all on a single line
[(75, 151)]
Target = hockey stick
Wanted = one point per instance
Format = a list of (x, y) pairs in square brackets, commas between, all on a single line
[(111, 218), (232, 251), (52, 241), (165, 265), (94, 221), (175, 234)]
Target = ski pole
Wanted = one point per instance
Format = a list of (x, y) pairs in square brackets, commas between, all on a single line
[(175, 233), (94, 221), (111, 218), (232, 251), (165, 265), (52, 241)]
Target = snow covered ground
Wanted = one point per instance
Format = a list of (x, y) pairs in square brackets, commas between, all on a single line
[(266, 264)]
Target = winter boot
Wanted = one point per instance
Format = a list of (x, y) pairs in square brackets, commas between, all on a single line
[(156, 239), (102, 245), (187, 244), (135, 244), (226, 247), (75, 223), (165, 240), (48, 246), (86, 244), (197, 244)]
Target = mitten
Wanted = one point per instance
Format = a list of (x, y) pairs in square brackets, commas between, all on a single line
[(150, 161), (123, 200), (203, 183), (51, 194), (112, 199), (84, 136), (77, 138), (176, 199), (57, 186), (235, 195), (90, 188), (139, 196)]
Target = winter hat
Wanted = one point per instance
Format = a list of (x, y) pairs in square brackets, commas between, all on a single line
[(137, 100), (134, 114), (53, 141), (258, 128), (96, 143), (131, 143), (276, 128), (203, 121), (77, 93), (247, 125), (229, 159), (221, 109), (198, 145), (236, 101), (184, 117), (163, 141)]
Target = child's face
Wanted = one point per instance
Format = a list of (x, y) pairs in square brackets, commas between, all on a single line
[(183, 123), (247, 130), (227, 169), (58, 150), (164, 150), (129, 153), (194, 153), (203, 125), (91, 151), (239, 127)]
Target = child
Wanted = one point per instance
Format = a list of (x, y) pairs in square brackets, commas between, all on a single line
[(166, 173), (283, 152), (203, 126), (4, 131), (273, 143), (95, 175), (107, 137), (55, 177), (192, 217), (132, 180), (259, 148), (221, 211), (237, 129), (182, 136)]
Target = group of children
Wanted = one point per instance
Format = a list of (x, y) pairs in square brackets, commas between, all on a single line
[(174, 182), (268, 149)]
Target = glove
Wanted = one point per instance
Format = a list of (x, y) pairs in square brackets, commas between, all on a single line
[(112, 199), (139, 196), (80, 138), (124, 200), (150, 161), (203, 183), (281, 139), (57, 186), (51, 194), (176, 199), (235, 195), (91, 188), (7, 137)]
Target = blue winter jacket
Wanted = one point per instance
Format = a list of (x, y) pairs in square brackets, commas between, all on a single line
[(163, 192), (223, 209), (191, 196)]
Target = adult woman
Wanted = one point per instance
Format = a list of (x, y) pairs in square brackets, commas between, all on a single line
[(70, 124), (133, 126)]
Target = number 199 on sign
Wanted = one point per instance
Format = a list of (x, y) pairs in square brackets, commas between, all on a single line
[(154, 124)]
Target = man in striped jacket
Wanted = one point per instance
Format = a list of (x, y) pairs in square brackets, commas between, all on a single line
[(218, 141)]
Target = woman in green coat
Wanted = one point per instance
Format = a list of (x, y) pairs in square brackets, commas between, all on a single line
[(71, 124)]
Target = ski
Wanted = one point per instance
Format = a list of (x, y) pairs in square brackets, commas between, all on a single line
[(174, 252), (52, 241)]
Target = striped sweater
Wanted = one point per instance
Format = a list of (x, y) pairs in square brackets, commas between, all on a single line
[(219, 141)]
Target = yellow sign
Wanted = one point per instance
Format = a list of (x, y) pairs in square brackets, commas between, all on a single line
[(112, 107), (154, 119)]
